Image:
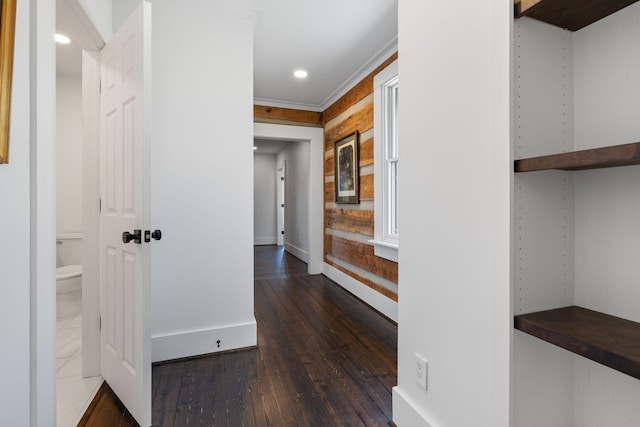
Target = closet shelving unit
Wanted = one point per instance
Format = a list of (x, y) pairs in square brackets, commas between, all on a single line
[(603, 338), (609, 340)]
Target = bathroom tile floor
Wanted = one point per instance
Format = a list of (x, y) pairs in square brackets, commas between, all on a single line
[(73, 392)]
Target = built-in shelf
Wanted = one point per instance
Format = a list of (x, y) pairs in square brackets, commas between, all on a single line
[(570, 14), (606, 157), (609, 340)]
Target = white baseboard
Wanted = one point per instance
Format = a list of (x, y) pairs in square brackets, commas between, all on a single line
[(297, 252), (257, 241), (195, 343), (375, 299), (405, 413)]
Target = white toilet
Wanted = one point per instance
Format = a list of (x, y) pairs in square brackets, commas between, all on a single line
[(68, 291), (68, 277)]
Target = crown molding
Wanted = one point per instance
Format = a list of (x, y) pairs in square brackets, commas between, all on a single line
[(377, 59)]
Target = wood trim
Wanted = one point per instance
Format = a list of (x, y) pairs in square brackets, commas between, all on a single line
[(361, 255), (380, 289), (352, 220), (264, 114), (357, 93)]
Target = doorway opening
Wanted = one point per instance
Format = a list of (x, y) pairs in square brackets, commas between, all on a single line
[(312, 237), (77, 333)]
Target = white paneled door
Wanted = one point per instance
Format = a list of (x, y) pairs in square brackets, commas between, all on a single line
[(124, 287)]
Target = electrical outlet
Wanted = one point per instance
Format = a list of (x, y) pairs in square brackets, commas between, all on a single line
[(421, 371)]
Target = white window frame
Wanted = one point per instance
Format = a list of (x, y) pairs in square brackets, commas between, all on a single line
[(386, 242)]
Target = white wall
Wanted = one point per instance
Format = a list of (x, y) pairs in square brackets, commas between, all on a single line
[(202, 178), (27, 226), (121, 9), (15, 244), (264, 199), (69, 154), (454, 264), (296, 198), (100, 14)]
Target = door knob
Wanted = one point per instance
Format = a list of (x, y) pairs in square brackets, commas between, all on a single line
[(156, 234), (136, 237)]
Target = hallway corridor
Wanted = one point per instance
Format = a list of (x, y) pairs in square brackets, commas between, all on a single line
[(323, 359)]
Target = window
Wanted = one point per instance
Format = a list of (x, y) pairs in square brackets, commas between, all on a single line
[(385, 139)]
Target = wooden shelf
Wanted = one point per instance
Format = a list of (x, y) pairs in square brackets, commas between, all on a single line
[(606, 157), (570, 14), (609, 340)]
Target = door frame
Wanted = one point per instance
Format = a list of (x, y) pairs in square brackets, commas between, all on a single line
[(91, 214), (280, 192), (315, 137)]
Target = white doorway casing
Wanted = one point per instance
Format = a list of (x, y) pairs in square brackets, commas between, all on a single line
[(315, 136), (280, 204), (91, 214)]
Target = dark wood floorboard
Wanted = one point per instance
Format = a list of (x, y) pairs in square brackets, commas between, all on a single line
[(324, 358), (106, 410)]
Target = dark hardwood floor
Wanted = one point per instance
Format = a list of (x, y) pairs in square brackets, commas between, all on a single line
[(106, 410), (323, 359)]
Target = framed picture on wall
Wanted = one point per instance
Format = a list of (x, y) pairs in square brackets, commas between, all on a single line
[(347, 169), (7, 34)]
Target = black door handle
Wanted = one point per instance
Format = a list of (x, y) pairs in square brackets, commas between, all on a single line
[(156, 234), (136, 237)]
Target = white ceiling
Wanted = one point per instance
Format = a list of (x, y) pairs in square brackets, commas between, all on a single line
[(69, 56), (269, 146), (333, 40)]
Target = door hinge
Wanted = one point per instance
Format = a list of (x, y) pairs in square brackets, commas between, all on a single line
[(282, 178), (100, 323), (100, 205), (282, 205), (282, 232)]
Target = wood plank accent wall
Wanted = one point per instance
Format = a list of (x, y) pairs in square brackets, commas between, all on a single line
[(349, 227), (286, 116)]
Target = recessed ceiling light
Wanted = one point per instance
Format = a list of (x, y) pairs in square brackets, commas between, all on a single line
[(62, 39), (301, 74)]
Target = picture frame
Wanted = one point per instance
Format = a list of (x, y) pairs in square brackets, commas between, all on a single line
[(347, 170), (7, 36)]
